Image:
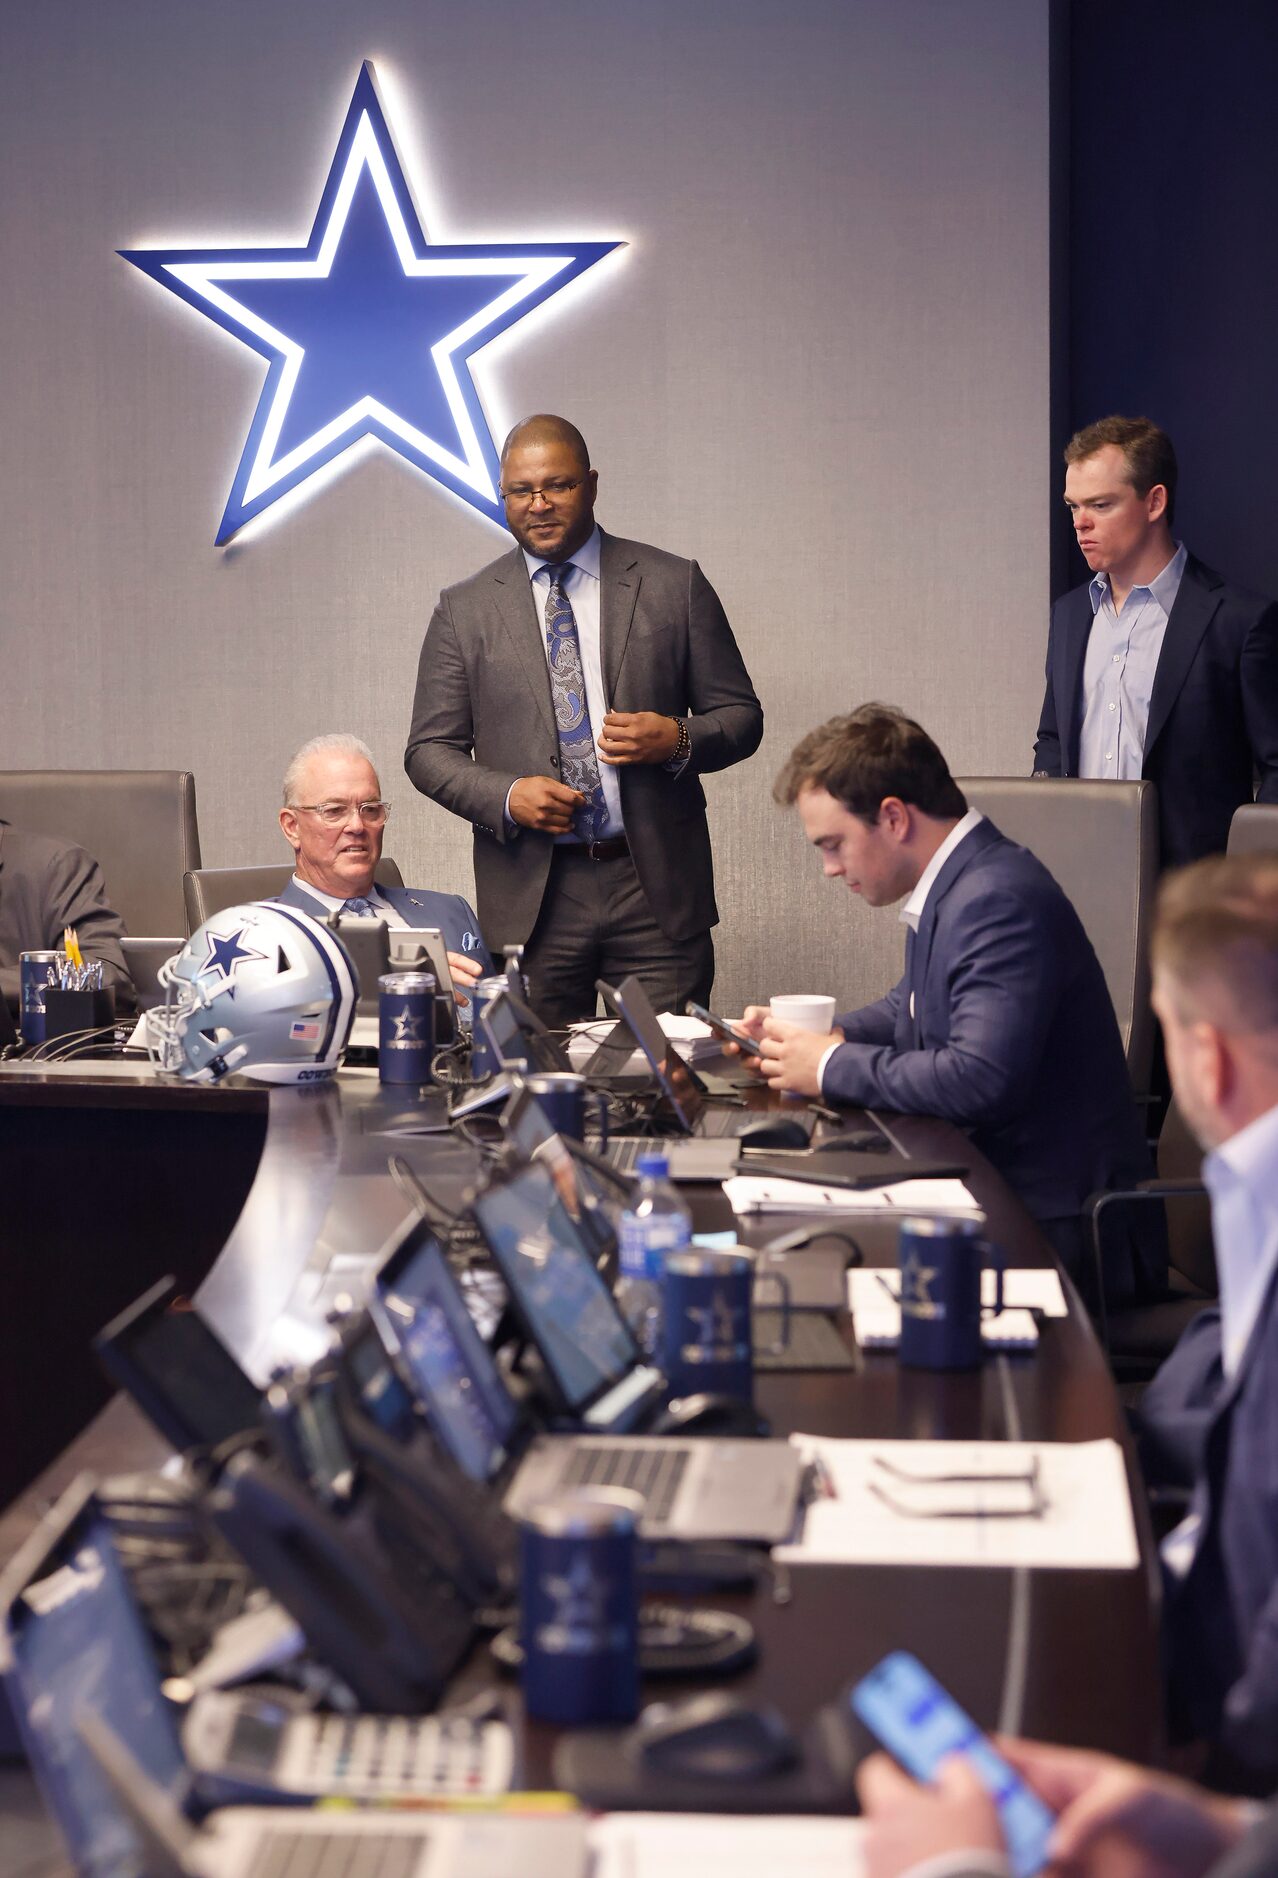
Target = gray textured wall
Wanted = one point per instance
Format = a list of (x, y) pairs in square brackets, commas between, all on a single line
[(820, 366)]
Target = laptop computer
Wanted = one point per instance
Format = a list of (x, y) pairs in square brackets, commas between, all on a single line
[(712, 1133), (694, 1488), (104, 1746)]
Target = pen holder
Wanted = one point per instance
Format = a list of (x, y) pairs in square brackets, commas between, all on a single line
[(78, 1023)]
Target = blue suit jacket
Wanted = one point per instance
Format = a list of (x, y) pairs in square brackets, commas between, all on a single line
[(1220, 1622), (1213, 713), (454, 916), (1012, 1036)]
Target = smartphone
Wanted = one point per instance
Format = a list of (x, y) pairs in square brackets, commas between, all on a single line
[(723, 1029), (254, 1747), (920, 1724)]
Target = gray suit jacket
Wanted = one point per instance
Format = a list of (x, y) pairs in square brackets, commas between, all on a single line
[(482, 717), (45, 886)]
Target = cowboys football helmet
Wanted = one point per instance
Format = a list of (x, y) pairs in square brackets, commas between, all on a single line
[(261, 989)]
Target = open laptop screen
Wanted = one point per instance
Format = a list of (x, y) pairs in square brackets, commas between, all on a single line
[(77, 1644), (546, 1260), (685, 1094), (519, 1037), (421, 1312)]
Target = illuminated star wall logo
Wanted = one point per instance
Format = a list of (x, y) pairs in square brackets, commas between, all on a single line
[(368, 329)]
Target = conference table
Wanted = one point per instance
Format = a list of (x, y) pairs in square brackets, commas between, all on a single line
[(1065, 1654)]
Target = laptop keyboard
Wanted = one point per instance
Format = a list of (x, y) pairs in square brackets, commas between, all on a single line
[(654, 1472), (370, 1854)]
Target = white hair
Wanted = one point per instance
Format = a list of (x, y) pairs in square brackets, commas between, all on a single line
[(338, 741)]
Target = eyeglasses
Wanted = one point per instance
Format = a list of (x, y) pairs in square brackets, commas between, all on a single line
[(333, 814), (549, 492), (916, 1496)]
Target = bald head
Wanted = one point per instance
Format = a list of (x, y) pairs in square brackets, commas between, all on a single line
[(545, 428)]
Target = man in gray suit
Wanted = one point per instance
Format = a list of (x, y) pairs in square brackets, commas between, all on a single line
[(47, 885), (569, 698)]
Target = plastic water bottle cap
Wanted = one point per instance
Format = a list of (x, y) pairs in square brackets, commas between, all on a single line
[(654, 1164)]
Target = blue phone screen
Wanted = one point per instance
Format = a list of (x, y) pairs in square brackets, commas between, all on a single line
[(920, 1725)]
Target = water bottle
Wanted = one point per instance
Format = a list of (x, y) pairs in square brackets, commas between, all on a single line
[(655, 1223)]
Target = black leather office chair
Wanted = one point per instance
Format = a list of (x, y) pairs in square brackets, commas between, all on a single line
[(208, 890), (1099, 841), (138, 824), (1139, 1337)]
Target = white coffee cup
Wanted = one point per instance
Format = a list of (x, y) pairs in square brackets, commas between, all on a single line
[(805, 1009)]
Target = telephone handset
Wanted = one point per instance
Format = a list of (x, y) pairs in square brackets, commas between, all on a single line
[(392, 1638)]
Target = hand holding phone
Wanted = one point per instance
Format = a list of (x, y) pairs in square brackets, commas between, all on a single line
[(724, 1030), (921, 1725)]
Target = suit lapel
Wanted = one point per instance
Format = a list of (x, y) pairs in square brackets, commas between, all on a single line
[(513, 598), (966, 852), (1078, 628), (1191, 614), (619, 582)]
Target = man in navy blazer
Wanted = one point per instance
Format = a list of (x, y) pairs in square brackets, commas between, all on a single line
[(334, 818), (1002, 1022), (1156, 667), (1208, 1420)]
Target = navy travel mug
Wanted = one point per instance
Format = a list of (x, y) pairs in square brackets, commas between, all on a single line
[(406, 1026), (34, 969), (708, 1343), (941, 1263), (579, 1607), (562, 1098), (484, 1060)]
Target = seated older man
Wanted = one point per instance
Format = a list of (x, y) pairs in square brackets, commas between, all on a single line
[(333, 819)]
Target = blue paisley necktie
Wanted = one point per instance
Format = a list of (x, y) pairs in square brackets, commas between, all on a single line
[(360, 907), (579, 765)]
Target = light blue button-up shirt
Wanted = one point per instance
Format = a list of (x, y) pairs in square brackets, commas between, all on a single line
[(1118, 672)]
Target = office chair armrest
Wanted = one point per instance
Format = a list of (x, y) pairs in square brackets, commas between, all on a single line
[(1100, 1203)]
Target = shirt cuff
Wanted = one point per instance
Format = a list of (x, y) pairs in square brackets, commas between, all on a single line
[(508, 821), (836, 1045)]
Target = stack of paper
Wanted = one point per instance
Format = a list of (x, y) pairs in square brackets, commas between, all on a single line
[(994, 1503), (696, 1042), (687, 1845), (750, 1193)]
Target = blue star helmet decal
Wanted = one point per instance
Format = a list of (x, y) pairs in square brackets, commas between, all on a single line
[(368, 329), (226, 952)]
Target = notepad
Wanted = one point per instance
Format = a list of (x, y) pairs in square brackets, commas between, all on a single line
[(749, 1193), (877, 1315)]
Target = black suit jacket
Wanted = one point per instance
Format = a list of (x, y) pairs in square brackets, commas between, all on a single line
[(48, 884), (1213, 714), (483, 716)]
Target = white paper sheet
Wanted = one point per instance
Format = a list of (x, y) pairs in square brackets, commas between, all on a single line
[(1086, 1522), (689, 1845), (750, 1193)]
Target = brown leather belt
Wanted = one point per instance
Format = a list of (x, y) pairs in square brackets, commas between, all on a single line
[(614, 849)]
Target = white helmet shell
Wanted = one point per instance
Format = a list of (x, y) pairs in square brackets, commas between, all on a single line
[(262, 989)]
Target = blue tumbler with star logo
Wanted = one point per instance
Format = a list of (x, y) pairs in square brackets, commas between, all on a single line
[(406, 1026), (579, 1607), (941, 1307)]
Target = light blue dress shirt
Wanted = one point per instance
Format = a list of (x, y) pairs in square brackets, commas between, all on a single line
[(1118, 673), (582, 587)]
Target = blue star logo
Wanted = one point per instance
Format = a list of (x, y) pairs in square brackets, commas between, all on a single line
[(369, 329), (226, 953)]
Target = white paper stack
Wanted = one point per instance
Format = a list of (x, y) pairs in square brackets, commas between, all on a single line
[(751, 1193), (696, 1042), (687, 1845), (994, 1503)]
